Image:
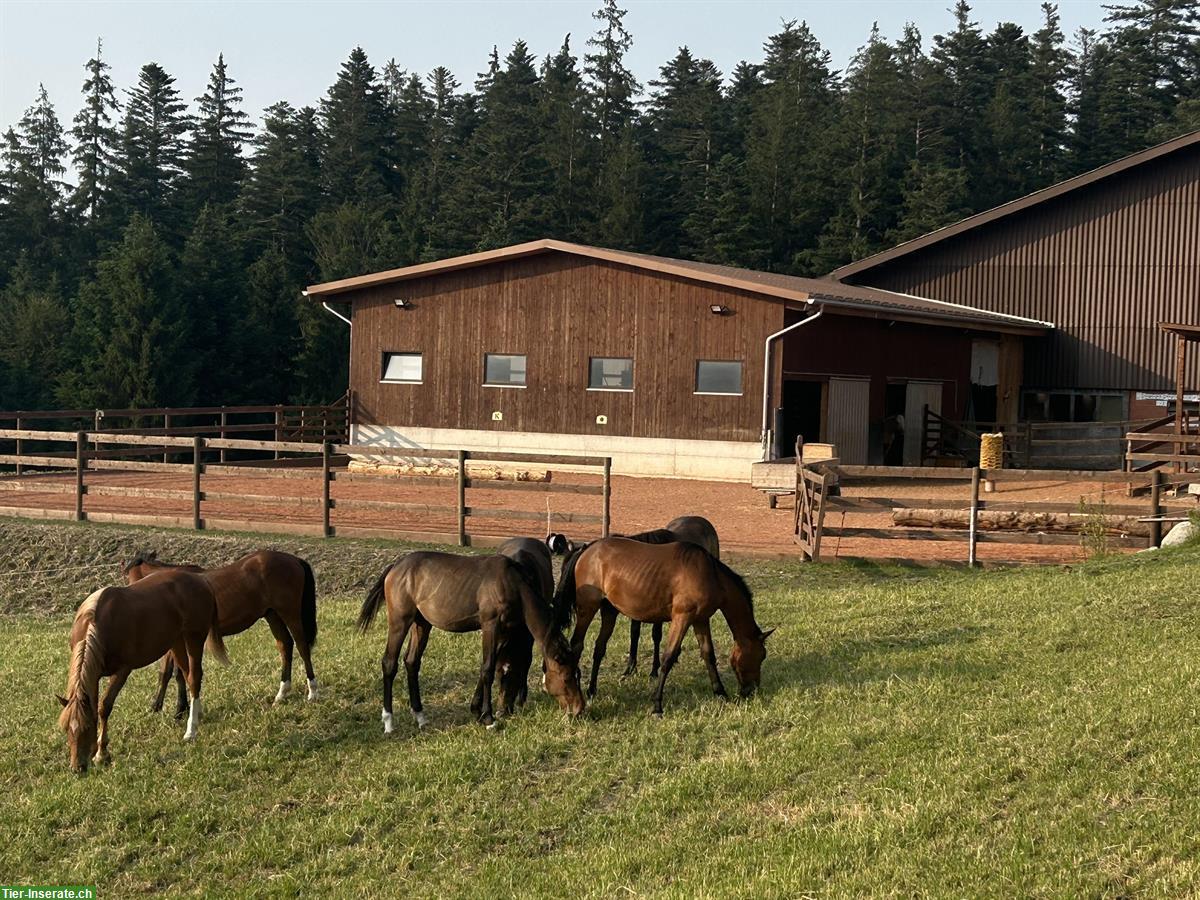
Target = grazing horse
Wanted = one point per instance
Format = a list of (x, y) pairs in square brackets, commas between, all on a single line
[(455, 593), (534, 557), (267, 585), (679, 583), (119, 629), (695, 529)]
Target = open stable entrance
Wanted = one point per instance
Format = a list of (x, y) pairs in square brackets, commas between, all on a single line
[(842, 411)]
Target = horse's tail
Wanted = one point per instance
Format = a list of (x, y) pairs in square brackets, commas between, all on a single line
[(374, 600), (563, 608), (308, 604), (214, 644)]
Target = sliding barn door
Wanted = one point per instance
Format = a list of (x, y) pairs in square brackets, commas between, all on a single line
[(919, 394), (847, 426)]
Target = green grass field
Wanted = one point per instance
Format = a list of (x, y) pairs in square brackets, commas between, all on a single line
[(1004, 733)]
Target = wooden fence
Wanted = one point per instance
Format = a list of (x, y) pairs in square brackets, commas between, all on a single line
[(966, 505), (321, 463), (1029, 445), (280, 423)]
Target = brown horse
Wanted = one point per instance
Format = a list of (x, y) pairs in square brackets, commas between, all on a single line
[(534, 557), (267, 585), (694, 529), (119, 629), (458, 593), (679, 583)]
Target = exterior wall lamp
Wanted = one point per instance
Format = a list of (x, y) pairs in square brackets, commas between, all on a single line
[(401, 303), (718, 309)]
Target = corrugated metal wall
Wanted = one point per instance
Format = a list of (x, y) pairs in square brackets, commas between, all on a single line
[(1105, 263)]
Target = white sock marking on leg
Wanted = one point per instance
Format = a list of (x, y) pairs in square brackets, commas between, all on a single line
[(193, 720), (387, 722), (284, 688), (422, 719), (312, 689)]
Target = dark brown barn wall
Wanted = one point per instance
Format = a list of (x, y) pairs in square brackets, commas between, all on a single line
[(854, 346), (560, 310), (1105, 263)]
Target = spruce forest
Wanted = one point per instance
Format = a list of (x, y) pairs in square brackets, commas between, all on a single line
[(153, 250)]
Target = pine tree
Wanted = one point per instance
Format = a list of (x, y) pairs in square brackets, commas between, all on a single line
[(131, 328), (34, 190), (1047, 103), (95, 138), (268, 340), (214, 166), (868, 156), (34, 323), (617, 212), (935, 195), (279, 198), (686, 137), (152, 148), (565, 128), (210, 286), (959, 95), (1013, 139), (355, 164), (786, 172)]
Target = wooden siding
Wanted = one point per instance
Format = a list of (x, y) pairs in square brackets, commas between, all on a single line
[(1105, 263), (559, 311)]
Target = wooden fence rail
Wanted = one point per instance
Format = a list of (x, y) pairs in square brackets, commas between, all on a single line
[(324, 462), (967, 507)]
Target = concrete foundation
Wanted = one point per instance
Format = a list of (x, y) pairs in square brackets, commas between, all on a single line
[(661, 458)]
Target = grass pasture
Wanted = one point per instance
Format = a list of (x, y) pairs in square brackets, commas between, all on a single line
[(1026, 732)]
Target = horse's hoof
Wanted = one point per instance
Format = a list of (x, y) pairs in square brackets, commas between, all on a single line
[(629, 670), (102, 757), (189, 735), (487, 721), (313, 693), (422, 719), (493, 725), (658, 713), (388, 722), (285, 688), (180, 715)]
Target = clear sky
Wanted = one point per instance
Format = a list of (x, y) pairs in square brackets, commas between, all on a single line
[(288, 50)]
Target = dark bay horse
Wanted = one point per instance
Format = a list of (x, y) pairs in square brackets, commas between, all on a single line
[(695, 529), (119, 629), (456, 593), (534, 557), (267, 584), (678, 582)]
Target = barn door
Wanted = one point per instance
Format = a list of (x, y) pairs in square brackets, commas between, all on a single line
[(918, 395), (848, 427)]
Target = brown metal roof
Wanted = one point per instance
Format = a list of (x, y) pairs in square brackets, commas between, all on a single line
[(850, 299), (1014, 206)]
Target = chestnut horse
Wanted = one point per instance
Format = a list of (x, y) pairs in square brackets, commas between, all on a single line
[(534, 557), (267, 585), (455, 593), (119, 629), (696, 529), (680, 583)]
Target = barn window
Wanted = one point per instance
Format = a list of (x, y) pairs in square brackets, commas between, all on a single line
[(503, 370), (718, 377), (610, 374), (405, 368)]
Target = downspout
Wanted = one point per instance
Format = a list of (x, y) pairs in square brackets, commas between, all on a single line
[(767, 373), (329, 309)]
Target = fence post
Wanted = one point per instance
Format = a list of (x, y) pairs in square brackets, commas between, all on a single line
[(971, 536), (80, 462), (166, 428), (462, 498), (278, 426), (19, 444), (197, 447), (605, 515), (224, 433), (326, 531), (1156, 509)]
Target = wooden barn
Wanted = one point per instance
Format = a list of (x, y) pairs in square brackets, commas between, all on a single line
[(1106, 256), (673, 368)]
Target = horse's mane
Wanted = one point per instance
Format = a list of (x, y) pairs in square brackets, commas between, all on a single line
[(142, 558), (87, 658), (654, 536), (738, 581)]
